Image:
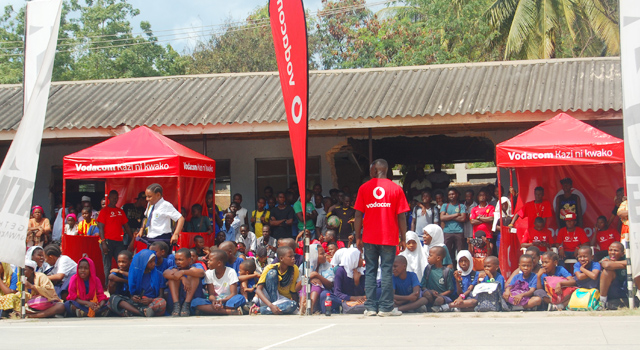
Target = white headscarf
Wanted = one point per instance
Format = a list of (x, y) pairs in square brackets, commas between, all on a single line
[(437, 236), (350, 260), (496, 213), (416, 261), (337, 257), (29, 254), (30, 263), (465, 254)]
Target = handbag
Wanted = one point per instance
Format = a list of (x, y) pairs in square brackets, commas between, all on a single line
[(39, 303)]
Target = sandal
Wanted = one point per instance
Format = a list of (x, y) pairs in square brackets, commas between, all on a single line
[(186, 309), (176, 310), (148, 312)]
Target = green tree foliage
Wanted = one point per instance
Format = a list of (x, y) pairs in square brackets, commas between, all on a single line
[(95, 43), (415, 32), (534, 29)]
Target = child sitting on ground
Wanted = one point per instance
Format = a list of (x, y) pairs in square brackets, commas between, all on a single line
[(613, 278), (37, 286), (164, 259), (62, 268), (331, 250), (88, 226), (250, 278), (563, 288), (603, 237), (145, 286), (479, 248), (321, 278), (221, 282), (201, 250), (535, 256), (86, 295), (119, 277), (185, 282), (586, 271), (416, 258), (406, 287), (349, 282), (233, 260), (519, 292), (466, 278), (262, 259), (437, 280), (279, 280)]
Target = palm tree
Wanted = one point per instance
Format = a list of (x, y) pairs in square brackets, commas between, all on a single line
[(533, 29)]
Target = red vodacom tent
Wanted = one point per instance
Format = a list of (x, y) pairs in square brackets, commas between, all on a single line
[(129, 163), (561, 147)]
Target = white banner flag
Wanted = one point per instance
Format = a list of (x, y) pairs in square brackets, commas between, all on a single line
[(630, 59), (18, 172)]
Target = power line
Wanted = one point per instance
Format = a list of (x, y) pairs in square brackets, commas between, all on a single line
[(191, 32)]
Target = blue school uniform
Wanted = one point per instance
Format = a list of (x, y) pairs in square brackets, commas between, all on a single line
[(560, 272), (235, 265), (405, 286), (122, 288), (588, 283), (532, 280), (141, 283), (468, 280)]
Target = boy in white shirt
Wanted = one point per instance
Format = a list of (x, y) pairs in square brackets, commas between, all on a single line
[(222, 285)]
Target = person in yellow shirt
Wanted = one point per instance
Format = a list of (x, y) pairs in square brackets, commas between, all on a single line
[(88, 226), (260, 217)]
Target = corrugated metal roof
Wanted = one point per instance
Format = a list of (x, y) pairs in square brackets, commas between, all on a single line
[(436, 90)]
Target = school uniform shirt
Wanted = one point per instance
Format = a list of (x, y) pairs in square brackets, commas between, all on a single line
[(405, 286), (221, 285), (531, 235), (250, 242), (453, 226), (588, 282), (560, 272), (113, 219), (344, 287), (285, 291), (199, 291), (64, 265), (436, 280), (467, 280), (486, 211), (309, 208), (606, 237), (532, 210), (235, 265), (532, 280), (122, 288), (381, 201), (572, 240), (499, 279), (241, 214), (159, 218)]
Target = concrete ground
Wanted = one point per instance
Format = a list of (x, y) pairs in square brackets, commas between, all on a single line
[(516, 330)]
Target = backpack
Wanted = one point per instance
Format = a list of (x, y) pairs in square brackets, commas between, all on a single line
[(584, 299), (446, 274), (489, 297)]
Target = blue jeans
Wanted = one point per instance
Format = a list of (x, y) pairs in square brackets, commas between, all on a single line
[(271, 291), (386, 254)]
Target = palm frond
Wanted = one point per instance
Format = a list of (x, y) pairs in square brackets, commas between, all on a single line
[(525, 20), (604, 27)]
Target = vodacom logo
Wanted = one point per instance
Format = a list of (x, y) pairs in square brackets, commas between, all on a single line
[(378, 192), (297, 101)]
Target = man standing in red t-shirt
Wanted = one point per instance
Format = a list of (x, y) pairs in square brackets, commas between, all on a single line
[(538, 208), (481, 218), (383, 205), (111, 223)]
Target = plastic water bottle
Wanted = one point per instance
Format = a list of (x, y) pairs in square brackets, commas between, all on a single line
[(327, 306)]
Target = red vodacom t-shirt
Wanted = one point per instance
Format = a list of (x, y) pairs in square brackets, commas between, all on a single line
[(572, 240), (485, 211), (532, 235), (113, 219), (381, 200), (532, 210), (606, 237)]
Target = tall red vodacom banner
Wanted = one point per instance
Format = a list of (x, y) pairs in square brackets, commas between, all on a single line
[(289, 30)]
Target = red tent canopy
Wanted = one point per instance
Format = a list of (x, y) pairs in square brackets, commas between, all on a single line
[(561, 140), (128, 163), (138, 153), (558, 148)]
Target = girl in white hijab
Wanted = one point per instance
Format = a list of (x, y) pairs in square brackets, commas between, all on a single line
[(434, 237), (416, 259), (350, 260), (505, 206)]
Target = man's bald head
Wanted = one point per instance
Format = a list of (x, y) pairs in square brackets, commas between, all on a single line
[(379, 169)]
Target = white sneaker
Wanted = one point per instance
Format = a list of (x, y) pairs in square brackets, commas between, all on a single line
[(394, 312), (370, 313)]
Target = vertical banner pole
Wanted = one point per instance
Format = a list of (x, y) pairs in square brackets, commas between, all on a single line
[(289, 31), (630, 73), (22, 279)]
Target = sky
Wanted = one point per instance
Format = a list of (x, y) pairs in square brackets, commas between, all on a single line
[(177, 20)]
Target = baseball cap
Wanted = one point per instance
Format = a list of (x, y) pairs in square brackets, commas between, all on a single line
[(570, 216)]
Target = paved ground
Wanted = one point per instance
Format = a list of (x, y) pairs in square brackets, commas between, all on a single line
[(532, 330)]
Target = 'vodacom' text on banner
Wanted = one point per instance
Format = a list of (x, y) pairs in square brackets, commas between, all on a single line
[(289, 30)]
